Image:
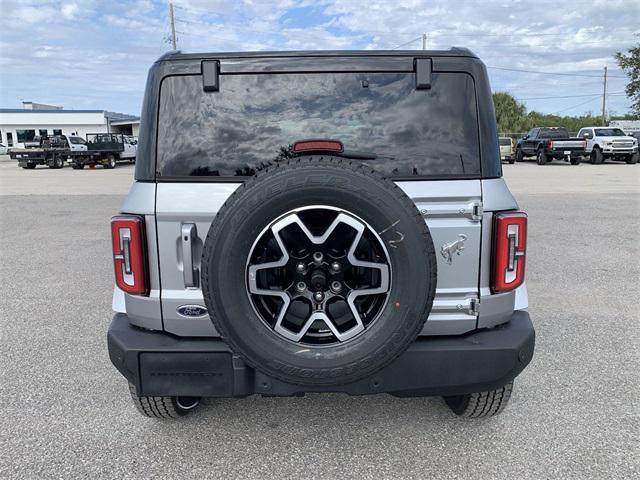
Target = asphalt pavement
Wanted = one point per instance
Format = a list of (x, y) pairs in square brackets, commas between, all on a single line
[(574, 411)]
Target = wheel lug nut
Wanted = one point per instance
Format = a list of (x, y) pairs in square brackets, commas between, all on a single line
[(317, 258), (336, 287), (301, 286), (335, 267), (318, 297), (301, 267)]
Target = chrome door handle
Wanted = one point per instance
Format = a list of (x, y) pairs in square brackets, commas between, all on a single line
[(189, 233)]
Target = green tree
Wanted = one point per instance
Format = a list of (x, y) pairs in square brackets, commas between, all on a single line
[(511, 115), (630, 64)]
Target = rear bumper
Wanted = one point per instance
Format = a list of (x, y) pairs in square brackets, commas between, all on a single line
[(560, 153), (162, 364)]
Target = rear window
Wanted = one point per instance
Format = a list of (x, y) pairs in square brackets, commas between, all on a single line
[(553, 133), (254, 119), (505, 142)]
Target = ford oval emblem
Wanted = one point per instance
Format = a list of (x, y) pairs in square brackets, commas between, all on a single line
[(191, 311)]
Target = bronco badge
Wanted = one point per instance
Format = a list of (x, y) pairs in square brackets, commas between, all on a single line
[(448, 250)]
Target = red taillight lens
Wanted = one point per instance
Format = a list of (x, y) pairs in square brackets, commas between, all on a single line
[(509, 249), (129, 254), (317, 146), (551, 145)]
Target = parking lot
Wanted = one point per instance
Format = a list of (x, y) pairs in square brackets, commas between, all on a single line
[(574, 411)]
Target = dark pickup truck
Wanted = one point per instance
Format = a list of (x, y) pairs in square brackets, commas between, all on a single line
[(49, 150), (99, 149), (106, 149), (548, 143)]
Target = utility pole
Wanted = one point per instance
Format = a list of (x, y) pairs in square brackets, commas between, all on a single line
[(604, 99), (424, 41), (173, 26)]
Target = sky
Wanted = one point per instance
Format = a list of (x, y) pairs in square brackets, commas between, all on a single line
[(95, 54)]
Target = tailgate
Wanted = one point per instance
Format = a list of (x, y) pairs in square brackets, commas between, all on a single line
[(452, 210), (572, 145)]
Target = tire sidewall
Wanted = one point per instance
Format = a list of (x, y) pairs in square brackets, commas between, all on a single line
[(412, 275), (519, 156)]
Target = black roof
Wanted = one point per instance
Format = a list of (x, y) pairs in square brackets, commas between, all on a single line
[(452, 52)]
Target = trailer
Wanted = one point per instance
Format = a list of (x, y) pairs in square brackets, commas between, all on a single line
[(106, 149), (51, 151)]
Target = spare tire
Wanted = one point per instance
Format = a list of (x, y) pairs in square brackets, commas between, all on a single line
[(319, 271)]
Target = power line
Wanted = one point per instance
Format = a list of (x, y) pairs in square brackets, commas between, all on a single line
[(360, 34), (570, 96), (553, 73), (397, 34), (407, 43), (595, 97)]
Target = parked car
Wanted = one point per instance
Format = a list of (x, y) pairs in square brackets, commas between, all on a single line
[(285, 243), (3, 149), (549, 143), (609, 143), (636, 135), (506, 149)]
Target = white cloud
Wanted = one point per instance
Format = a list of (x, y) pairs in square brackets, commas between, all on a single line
[(31, 14), (71, 46), (69, 10)]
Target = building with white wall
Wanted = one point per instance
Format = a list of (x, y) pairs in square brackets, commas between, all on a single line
[(20, 125), (627, 126)]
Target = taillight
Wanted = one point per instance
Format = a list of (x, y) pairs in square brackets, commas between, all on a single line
[(551, 145), (509, 250), (305, 146), (129, 254)]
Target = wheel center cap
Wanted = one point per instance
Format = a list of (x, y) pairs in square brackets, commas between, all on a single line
[(318, 279)]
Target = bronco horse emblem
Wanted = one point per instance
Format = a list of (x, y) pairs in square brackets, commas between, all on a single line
[(449, 249)]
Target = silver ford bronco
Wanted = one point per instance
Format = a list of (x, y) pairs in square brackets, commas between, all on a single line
[(319, 222)]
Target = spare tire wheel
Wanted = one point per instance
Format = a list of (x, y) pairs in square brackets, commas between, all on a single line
[(319, 271)]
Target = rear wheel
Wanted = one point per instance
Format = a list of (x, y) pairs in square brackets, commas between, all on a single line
[(163, 407), (29, 166), (77, 166), (111, 162), (56, 162), (482, 404), (575, 160), (519, 155), (596, 156), (541, 157)]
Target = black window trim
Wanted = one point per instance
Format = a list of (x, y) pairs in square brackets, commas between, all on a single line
[(241, 179), (447, 61)]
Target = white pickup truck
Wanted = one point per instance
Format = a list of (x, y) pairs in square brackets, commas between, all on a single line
[(612, 143)]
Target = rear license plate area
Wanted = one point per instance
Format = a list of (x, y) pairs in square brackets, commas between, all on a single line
[(186, 374)]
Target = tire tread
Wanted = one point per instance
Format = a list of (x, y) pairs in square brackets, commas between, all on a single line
[(155, 407), (481, 404)]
